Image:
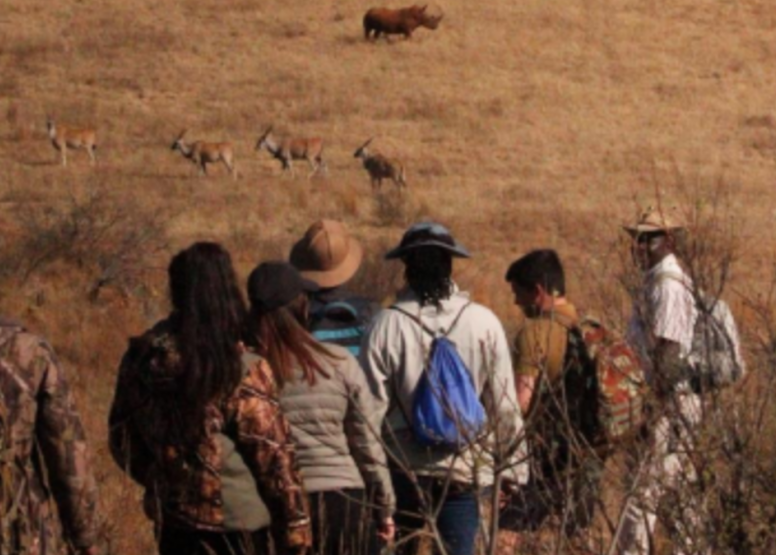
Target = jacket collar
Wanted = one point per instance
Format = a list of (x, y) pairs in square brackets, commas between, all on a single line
[(410, 301)]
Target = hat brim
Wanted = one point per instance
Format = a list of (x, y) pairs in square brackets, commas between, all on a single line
[(648, 228), (326, 279), (457, 250)]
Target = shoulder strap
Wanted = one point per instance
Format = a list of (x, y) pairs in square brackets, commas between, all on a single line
[(415, 319), (425, 328)]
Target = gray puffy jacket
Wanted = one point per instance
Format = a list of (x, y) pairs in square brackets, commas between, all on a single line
[(335, 446)]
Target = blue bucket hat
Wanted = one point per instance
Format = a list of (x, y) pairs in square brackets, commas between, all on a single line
[(428, 234)]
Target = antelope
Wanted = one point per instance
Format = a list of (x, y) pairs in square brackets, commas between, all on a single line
[(380, 167), (67, 137), (201, 153), (394, 22), (287, 150)]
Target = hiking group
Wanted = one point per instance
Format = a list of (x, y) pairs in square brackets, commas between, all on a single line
[(311, 419)]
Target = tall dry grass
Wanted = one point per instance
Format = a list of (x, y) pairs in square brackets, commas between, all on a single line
[(522, 125)]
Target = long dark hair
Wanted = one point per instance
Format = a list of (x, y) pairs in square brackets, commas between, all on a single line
[(280, 336), (208, 323), (428, 272)]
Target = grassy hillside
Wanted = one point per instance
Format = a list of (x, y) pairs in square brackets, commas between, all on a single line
[(522, 124)]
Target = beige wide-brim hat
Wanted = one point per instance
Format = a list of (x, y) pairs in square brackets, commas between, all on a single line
[(653, 220), (327, 254)]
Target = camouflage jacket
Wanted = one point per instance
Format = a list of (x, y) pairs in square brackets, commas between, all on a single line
[(43, 452), (186, 486)]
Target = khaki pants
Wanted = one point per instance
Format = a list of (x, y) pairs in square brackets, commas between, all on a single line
[(660, 471)]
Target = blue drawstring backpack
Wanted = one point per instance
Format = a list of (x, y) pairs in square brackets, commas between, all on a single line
[(446, 411)]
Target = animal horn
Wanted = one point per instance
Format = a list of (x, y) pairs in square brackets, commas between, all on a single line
[(366, 144), (182, 133)]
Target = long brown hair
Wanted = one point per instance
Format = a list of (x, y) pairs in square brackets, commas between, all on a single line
[(280, 336), (208, 324)]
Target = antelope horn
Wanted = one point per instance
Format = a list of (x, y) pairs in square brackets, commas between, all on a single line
[(367, 142), (182, 133)]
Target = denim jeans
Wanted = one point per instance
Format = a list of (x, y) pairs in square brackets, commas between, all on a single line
[(458, 520)]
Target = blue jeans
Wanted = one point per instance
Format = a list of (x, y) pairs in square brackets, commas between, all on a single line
[(458, 520)]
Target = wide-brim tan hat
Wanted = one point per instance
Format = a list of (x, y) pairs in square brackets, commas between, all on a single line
[(327, 254), (653, 220)]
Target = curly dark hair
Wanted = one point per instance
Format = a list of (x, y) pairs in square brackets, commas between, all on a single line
[(428, 271)]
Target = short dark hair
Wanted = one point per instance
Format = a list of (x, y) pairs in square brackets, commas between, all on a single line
[(538, 267)]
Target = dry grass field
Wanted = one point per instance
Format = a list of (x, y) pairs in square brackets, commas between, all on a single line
[(522, 124)]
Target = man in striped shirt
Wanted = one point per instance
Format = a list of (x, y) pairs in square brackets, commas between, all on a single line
[(661, 329)]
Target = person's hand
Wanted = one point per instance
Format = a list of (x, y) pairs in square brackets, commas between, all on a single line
[(508, 489), (386, 530)]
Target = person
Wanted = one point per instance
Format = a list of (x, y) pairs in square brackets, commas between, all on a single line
[(393, 356), (327, 401), (331, 257), (561, 439), (196, 421), (43, 452), (661, 329)]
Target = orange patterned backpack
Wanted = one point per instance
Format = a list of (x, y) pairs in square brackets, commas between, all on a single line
[(617, 378)]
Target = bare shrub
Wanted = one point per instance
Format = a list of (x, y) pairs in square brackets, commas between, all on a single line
[(112, 240)]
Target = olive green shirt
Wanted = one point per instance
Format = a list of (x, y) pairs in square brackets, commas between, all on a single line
[(540, 345)]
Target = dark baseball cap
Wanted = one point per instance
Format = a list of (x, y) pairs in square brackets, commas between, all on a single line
[(275, 284), (428, 234)]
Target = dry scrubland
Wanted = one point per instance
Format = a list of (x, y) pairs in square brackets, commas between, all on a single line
[(522, 124)]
